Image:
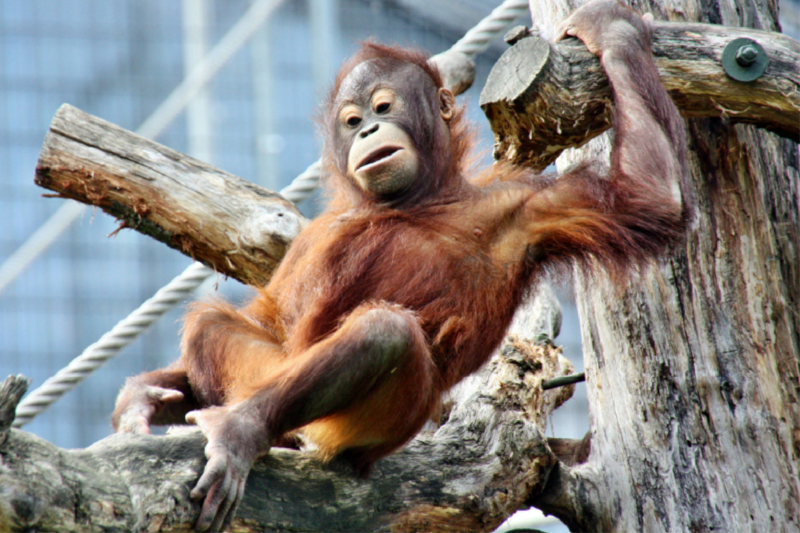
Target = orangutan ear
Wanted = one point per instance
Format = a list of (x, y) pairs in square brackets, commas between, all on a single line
[(447, 104)]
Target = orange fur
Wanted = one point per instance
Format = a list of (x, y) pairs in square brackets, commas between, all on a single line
[(379, 307)]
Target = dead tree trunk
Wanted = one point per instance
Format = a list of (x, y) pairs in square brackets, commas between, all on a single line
[(692, 370)]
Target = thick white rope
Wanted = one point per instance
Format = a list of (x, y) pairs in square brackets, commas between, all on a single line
[(152, 127), (478, 39), (128, 329), (111, 343), (303, 185)]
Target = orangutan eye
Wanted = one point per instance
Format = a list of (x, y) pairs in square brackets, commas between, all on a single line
[(350, 116), (383, 101)]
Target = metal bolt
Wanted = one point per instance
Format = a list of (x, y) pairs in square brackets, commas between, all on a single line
[(746, 55), (563, 380), (744, 59)]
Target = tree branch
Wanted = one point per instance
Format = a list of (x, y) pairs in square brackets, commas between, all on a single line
[(239, 229), (542, 98), (469, 475)]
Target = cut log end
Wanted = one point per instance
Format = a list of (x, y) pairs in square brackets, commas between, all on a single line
[(237, 228), (536, 105), (542, 98)]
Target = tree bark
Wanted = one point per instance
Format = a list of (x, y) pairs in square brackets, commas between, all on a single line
[(544, 97), (468, 475), (692, 369), (235, 227)]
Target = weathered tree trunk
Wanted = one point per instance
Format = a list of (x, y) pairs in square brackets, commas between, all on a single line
[(692, 369)]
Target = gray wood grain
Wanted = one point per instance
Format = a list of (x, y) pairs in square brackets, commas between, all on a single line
[(692, 366), (239, 229), (542, 98)]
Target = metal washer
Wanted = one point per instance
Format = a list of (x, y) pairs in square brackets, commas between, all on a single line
[(740, 70)]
